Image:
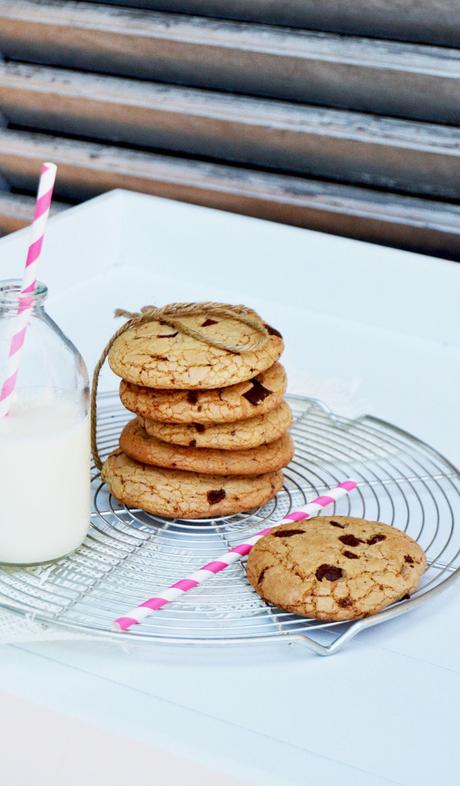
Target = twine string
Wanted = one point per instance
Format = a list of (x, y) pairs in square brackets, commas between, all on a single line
[(171, 315)]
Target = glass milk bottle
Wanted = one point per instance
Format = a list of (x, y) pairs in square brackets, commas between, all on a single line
[(44, 439)]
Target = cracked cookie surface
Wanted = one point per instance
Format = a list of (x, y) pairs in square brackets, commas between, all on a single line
[(173, 493), (154, 355), (335, 568), (142, 447), (247, 399), (241, 435)]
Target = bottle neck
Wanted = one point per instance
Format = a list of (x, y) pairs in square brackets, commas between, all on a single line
[(12, 301)]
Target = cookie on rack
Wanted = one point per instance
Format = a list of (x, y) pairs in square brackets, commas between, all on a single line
[(140, 446), (243, 434), (154, 355), (256, 396), (176, 494), (335, 568)]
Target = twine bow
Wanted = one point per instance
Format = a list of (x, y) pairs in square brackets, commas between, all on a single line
[(171, 315)]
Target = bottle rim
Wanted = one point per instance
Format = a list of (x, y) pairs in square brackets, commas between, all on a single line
[(10, 292)]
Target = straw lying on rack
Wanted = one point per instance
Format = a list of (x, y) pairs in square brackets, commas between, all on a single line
[(176, 590)]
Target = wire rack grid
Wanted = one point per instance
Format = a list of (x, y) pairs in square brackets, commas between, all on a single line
[(130, 555)]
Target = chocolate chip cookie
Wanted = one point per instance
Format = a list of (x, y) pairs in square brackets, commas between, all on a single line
[(256, 396), (335, 568), (225, 436), (142, 447), (176, 494), (153, 355)]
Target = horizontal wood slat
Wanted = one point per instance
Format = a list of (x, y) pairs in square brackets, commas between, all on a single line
[(359, 114), (87, 169), (430, 21)]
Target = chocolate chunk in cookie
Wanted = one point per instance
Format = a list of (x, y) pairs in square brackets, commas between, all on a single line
[(350, 540), (376, 539), (215, 496), (273, 331), (257, 393), (288, 533), (329, 572)]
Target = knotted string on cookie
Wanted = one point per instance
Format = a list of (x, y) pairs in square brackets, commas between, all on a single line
[(171, 315)]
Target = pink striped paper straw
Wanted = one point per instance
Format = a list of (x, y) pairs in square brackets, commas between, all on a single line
[(174, 591), (29, 282)]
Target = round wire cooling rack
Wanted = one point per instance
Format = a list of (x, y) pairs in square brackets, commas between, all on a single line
[(130, 555)]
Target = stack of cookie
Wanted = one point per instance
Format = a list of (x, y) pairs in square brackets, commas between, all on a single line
[(210, 435)]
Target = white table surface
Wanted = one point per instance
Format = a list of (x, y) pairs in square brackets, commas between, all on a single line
[(370, 330)]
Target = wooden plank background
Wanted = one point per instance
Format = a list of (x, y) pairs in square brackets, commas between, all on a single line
[(288, 111)]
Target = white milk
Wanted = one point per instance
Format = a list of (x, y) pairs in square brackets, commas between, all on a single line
[(44, 480)]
